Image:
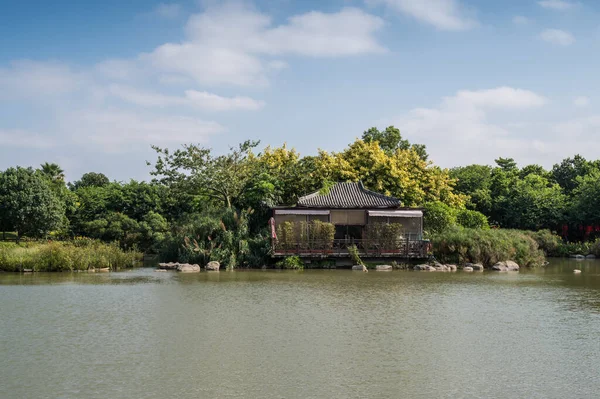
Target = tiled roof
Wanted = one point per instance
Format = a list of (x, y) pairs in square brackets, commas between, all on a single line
[(348, 195)]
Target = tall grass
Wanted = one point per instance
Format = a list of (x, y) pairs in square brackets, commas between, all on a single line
[(487, 247), (80, 254)]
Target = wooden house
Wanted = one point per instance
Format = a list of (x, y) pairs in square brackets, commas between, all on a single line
[(378, 225)]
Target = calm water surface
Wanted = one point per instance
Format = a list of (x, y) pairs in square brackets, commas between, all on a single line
[(311, 334)]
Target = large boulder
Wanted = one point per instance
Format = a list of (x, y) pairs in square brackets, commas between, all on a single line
[(467, 269), (357, 267), (187, 268), (213, 266), (441, 268), (506, 266), (421, 267), (168, 266), (452, 268), (384, 268), (475, 266), (590, 256)]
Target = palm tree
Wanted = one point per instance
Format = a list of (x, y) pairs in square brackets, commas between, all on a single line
[(53, 171)]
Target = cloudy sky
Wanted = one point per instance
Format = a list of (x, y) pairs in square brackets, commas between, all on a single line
[(92, 85)]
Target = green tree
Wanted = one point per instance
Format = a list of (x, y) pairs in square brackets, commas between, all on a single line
[(567, 172), (585, 206), (53, 171), (196, 170), (90, 179), (474, 181), (534, 170), (28, 203), (535, 203), (391, 140)]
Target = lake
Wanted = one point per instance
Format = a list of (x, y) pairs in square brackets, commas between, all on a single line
[(311, 334)]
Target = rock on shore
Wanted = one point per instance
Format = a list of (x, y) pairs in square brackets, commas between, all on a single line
[(506, 266), (168, 266), (187, 268), (425, 268), (213, 266), (476, 266), (384, 268)]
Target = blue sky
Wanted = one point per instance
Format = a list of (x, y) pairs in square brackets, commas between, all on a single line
[(91, 85)]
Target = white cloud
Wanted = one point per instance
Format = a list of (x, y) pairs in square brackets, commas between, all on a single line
[(581, 101), (228, 44), (443, 14), (192, 98), (463, 123), (277, 65), (558, 5), (520, 20), (24, 139), (25, 78), (501, 97), (118, 130), (168, 11), (558, 37)]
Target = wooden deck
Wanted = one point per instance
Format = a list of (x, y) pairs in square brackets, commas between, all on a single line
[(406, 249)]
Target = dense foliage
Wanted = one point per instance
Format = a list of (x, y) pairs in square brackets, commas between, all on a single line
[(203, 206)]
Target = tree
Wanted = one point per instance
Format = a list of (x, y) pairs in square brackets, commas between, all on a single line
[(90, 179), (567, 172), (196, 170), (28, 203), (507, 164), (391, 140), (534, 203), (534, 170), (586, 199), (474, 181), (53, 171), (403, 174)]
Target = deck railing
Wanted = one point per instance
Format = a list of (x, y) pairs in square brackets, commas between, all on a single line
[(409, 247)]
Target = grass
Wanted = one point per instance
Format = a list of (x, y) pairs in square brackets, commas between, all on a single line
[(461, 245), (79, 254)]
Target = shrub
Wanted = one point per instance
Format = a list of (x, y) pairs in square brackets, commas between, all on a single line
[(488, 247), (438, 217), (550, 243), (353, 251), (291, 262), (472, 219)]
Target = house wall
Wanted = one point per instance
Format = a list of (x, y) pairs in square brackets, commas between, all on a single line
[(349, 217), (411, 226)]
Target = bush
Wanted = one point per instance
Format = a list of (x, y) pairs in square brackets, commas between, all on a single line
[(438, 217), (488, 247), (550, 243), (472, 219), (291, 262)]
